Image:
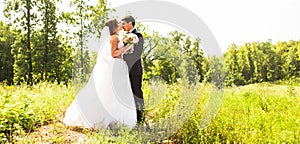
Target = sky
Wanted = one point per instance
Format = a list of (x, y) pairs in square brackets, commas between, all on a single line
[(238, 21)]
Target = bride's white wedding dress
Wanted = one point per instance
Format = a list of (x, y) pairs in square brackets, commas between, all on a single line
[(107, 97)]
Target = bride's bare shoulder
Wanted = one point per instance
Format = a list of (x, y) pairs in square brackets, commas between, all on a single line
[(114, 38)]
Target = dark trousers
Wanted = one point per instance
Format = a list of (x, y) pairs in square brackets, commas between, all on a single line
[(136, 86)]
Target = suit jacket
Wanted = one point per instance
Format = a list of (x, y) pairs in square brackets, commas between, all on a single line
[(134, 60)]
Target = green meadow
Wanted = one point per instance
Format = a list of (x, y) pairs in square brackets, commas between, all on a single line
[(255, 113)]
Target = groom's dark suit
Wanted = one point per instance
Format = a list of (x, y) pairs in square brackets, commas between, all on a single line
[(135, 74)]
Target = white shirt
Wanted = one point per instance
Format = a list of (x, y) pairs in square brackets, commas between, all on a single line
[(131, 29)]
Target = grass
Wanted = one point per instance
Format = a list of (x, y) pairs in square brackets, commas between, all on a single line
[(259, 113), (177, 113), (24, 108)]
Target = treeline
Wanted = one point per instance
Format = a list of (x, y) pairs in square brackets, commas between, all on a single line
[(262, 62), (177, 56), (165, 57), (39, 42), (173, 56)]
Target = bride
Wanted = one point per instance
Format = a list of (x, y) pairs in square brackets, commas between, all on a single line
[(107, 98)]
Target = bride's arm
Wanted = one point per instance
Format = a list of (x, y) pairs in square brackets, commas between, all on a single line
[(114, 41)]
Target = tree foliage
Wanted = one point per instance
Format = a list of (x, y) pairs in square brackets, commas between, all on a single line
[(34, 48), (262, 62)]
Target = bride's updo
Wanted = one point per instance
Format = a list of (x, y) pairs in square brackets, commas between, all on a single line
[(112, 25)]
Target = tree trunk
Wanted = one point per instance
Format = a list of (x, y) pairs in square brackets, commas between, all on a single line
[(28, 43), (46, 42)]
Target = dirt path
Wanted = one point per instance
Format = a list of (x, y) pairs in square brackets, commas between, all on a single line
[(56, 133)]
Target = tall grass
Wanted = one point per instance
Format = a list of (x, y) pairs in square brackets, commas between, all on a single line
[(179, 113), (258, 113), (25, 108)]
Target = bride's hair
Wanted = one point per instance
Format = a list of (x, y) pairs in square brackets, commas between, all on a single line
[(112, 25)]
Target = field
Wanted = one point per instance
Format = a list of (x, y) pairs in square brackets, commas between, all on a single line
[(177, 113)]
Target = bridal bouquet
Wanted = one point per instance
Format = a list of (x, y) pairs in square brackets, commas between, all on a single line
[(132, 39)]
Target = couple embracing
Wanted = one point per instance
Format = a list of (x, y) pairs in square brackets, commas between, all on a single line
[(113, 93)]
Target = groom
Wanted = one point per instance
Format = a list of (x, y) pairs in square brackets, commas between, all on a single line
[(135, 67)]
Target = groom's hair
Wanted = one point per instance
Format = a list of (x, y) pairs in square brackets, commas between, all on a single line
[(129, 19)]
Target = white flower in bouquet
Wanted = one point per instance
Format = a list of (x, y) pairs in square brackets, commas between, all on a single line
[(131, 39)]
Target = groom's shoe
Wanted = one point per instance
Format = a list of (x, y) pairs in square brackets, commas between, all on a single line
[(114, 126), (148, 128), (143, 128)]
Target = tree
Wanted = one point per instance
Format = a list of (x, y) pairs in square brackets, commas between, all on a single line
[(166, 70), (21, 16), (216, 71), (291, 63), (234, 76), (198, 58), (47, 51), (175, 49), (85, 21), (7, 38)]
